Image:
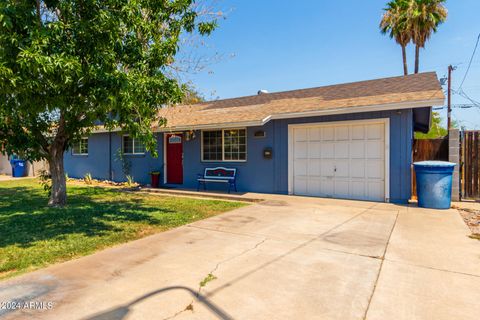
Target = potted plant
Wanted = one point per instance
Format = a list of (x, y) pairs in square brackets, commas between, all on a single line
[(155, 176)]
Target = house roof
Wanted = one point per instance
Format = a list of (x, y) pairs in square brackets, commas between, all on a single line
[(412, 91)]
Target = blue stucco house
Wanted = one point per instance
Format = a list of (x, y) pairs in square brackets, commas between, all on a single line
[(350, 141)]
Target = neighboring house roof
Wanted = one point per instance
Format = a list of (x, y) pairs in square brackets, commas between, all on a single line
[(412, 91)]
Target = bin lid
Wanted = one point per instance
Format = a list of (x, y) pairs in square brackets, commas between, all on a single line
[(436, 164)]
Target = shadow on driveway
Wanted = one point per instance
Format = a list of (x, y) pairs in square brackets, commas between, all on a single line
[(120, 312)]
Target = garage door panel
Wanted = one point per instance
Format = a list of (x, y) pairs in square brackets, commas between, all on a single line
[(327, 168), (375, 190), (341, 150), (375, 149), (314, 166), (357, 150), (314, 187), (375, 169), (315, 134), (357, 168), (300, 134), (340, 160), (300, 185), (314, 150), (300, 149), (342, 133), (328, 134), (342, 169), (327, 150), (357, 190), (358, 132), (300, 167), (327, 187), (342, 188), (375, 131)]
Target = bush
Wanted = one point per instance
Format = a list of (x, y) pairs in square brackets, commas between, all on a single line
[(130, 182), (88, 178), (46, 181)]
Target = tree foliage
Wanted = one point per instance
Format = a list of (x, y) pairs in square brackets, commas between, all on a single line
[(413, 21), (395, 24), (437, 131), (191, 95), (68, 65)]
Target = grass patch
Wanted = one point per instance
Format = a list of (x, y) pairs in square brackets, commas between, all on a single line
[(33, 235)]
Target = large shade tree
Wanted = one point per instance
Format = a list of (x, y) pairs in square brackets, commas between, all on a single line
[(68, 65)]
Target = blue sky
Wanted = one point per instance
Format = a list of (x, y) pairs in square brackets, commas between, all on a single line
[(284, 45)]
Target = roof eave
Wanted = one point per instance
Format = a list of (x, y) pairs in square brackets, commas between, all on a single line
[(302, 114), (369, 108)]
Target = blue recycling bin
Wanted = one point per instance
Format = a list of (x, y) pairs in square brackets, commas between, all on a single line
[(434, 183), (18, 167)]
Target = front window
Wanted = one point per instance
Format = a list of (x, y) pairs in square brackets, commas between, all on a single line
[(224, 145), (212, 145), (132, 146), (80, 147)]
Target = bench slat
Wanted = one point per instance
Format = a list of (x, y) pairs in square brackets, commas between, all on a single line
[(214, 180)]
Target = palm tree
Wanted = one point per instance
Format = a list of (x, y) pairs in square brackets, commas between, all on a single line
[(424, 18), (395, 22)]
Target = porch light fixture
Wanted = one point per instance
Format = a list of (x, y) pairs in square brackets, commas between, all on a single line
[(190, 135)]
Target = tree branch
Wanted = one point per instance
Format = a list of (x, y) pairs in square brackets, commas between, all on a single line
[(39, 14)]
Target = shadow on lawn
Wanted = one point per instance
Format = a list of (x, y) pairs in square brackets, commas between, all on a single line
[(25, 217)]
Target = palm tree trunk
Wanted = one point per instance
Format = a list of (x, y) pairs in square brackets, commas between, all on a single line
[(417, 58), (404, 55)]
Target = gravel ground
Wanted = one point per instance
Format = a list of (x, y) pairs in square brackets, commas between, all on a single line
[(470, 213)]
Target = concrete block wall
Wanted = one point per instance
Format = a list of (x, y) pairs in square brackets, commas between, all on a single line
[(33, 168), (454, 156)]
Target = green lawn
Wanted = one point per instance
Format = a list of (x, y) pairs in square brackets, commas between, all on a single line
[(32, 235)]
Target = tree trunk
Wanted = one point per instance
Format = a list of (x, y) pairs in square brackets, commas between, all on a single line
[(59, 184), (39, 13), (417, 58), (404, 56)]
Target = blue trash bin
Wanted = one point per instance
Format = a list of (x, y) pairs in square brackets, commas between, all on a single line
[(434, 184), (18, 167)]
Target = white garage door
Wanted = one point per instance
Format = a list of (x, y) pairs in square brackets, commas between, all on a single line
[(339, 160)]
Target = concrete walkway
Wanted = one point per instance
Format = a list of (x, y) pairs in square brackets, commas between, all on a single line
[(285, 258), (4, 177)]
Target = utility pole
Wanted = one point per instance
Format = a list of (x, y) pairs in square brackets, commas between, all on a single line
[(450, 69)]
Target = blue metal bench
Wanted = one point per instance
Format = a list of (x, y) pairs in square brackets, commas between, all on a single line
[(218, 175)]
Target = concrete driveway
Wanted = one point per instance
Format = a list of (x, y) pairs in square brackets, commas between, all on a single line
[(286, 258)]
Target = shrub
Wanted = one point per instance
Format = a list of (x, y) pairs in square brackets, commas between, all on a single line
[(46, 181), (88, 178), (130, 182)]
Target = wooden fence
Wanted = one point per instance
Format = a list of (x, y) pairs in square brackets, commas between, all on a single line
[(469, 159), (428, 149)]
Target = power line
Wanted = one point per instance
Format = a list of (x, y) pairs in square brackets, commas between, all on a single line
[(470, 63), (458, 106), (466, 96)]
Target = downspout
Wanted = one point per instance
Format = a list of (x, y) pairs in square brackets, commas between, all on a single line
[(110, 175)]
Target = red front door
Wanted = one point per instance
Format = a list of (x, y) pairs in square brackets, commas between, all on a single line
[(174, 158)]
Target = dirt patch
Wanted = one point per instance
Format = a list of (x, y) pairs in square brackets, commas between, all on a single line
[(472, 219)]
